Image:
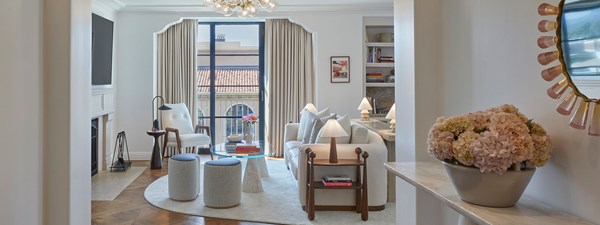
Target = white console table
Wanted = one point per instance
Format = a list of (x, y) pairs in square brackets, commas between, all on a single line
[(432, 178)]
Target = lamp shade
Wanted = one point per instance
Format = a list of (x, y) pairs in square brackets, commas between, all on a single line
[(164, 107), (364, 105), (392, 113), (333, 129), (310, 108)]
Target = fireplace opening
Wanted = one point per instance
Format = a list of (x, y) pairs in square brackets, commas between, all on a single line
[(94, 146)]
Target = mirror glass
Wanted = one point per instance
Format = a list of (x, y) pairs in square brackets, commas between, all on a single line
[(580, 36)]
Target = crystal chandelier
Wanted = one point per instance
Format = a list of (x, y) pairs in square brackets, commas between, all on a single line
[(244, 8)]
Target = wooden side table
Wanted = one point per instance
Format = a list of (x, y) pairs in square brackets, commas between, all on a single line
[(156, 160), (360, 185)]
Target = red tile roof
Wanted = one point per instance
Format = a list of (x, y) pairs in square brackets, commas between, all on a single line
[(229, 79)]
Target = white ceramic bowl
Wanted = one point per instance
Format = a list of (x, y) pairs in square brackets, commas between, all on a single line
[(235, 137)]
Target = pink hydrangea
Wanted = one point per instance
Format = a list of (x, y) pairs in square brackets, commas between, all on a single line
[(492, 140)]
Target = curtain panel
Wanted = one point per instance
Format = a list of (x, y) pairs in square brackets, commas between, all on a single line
[(290, 76), (176, 64)]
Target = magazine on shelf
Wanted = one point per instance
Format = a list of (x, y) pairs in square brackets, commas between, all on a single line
[(337, 183), (337, 178)]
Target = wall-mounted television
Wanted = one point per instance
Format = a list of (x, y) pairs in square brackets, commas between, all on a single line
[(102, 50)]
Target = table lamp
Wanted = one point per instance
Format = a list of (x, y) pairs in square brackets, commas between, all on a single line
[(311, 108), (392, 116), (155, 125), (333, 129), (365, 107)]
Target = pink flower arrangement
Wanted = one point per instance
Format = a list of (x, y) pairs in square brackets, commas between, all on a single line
[(493, 140), (250, 119)]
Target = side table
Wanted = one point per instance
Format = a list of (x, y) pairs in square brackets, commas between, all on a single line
[(156, 160), (360, 185)]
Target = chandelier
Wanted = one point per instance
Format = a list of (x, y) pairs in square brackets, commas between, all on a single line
[(244, 8)]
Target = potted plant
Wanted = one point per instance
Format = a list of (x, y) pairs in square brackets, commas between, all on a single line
[(490, 155)]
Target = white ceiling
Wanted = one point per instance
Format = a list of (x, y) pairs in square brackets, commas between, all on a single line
[(281, 2)]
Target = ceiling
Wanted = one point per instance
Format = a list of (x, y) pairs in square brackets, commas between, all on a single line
[(282, 3)]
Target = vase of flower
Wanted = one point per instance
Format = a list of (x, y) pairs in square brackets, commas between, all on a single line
[(249, 134), (249, 121), (490, 155)]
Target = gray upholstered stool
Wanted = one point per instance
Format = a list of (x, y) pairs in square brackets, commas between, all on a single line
[(183, 177), (222, 183)]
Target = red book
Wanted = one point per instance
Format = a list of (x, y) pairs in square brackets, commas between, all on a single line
[(337, 184), (247, 149)]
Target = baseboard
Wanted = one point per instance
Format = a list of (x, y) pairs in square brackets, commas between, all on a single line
[(140, 155)]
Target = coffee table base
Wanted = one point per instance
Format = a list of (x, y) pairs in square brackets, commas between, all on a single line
[(251, 182)]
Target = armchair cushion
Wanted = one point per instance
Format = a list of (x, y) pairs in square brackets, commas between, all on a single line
[(188, 140)]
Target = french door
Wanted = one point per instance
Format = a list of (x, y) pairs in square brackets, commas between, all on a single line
[(230, 77)]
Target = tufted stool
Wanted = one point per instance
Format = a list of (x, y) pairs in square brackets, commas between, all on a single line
[(222, 183), (183, 177)]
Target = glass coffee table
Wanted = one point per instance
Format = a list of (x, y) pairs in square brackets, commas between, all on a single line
[(256, 165)]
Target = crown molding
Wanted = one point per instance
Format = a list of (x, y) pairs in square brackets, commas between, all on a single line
[(385, 8), (107, 8)]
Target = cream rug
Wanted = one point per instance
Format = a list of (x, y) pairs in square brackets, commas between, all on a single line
[(278, 204), (106, 186)]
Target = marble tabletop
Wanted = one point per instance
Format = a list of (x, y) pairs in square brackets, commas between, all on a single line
[(380, 127), (432, 178)]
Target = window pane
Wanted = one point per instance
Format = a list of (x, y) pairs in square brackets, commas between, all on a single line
[(238, 39)]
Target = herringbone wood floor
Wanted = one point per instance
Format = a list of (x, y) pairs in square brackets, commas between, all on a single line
[(130, 207)]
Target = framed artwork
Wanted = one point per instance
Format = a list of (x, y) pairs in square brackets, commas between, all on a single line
[(340, 69)]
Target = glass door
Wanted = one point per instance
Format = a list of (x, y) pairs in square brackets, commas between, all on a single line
[(230, 77)]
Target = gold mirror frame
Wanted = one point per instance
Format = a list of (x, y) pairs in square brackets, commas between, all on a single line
[(573, 99)]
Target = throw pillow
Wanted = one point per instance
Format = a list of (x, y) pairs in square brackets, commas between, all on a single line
[(360, 135), (345, 123), (317, 127), (304, 121)]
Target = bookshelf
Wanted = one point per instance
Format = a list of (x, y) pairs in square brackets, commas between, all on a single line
[(378, 61)]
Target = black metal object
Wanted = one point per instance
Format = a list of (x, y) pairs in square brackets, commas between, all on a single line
[(155, 124), (94, 146), (121, 164)]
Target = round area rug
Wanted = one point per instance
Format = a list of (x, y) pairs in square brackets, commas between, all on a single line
[(278, 204)]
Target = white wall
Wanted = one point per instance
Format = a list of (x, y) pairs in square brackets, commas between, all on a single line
[(336, 34), (21, 116), (488, 57)]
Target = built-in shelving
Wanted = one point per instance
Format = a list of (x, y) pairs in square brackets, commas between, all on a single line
[(378, 71)]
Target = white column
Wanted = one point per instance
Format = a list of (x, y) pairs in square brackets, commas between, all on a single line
[(67, 89)]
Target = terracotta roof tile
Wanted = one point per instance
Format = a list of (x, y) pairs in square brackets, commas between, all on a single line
[(245, 76)]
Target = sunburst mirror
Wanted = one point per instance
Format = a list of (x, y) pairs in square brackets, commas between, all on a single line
[(576, 77)]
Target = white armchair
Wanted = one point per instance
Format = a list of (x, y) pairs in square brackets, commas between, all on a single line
[(179, 130)]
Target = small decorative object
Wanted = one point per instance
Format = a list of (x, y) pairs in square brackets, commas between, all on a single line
[(155, 125), (340, 69), (392, 116), (385, 37), (333, 129), (249, 120), (235, 138), (490, 155), (364, 107)]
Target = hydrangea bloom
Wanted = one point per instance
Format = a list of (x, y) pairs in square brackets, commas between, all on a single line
[(492, 140)]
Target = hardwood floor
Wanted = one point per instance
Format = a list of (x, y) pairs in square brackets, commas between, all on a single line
[(130, 207)]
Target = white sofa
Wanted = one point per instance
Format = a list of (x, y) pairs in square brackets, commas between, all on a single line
[(295, 159)]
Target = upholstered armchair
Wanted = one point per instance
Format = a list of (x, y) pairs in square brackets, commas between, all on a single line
[(179, 130)]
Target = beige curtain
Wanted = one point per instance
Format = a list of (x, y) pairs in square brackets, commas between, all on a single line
[(290, 76), (176, 64)]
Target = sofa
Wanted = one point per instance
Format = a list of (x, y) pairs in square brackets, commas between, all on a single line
[(295, 158)]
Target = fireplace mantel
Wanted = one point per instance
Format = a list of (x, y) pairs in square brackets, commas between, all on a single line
[(102, 107)]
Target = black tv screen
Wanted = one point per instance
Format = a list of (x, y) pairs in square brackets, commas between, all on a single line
[(102, 48)]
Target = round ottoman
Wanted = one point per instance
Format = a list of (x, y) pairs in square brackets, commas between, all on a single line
[(183, 177), (222, 183)]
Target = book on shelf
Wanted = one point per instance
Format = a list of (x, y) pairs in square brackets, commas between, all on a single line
[(337, 178), (337, 183)]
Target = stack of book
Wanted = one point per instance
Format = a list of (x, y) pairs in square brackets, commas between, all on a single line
[(247, 148), (375, 77), (337, 181), (386, 59)]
